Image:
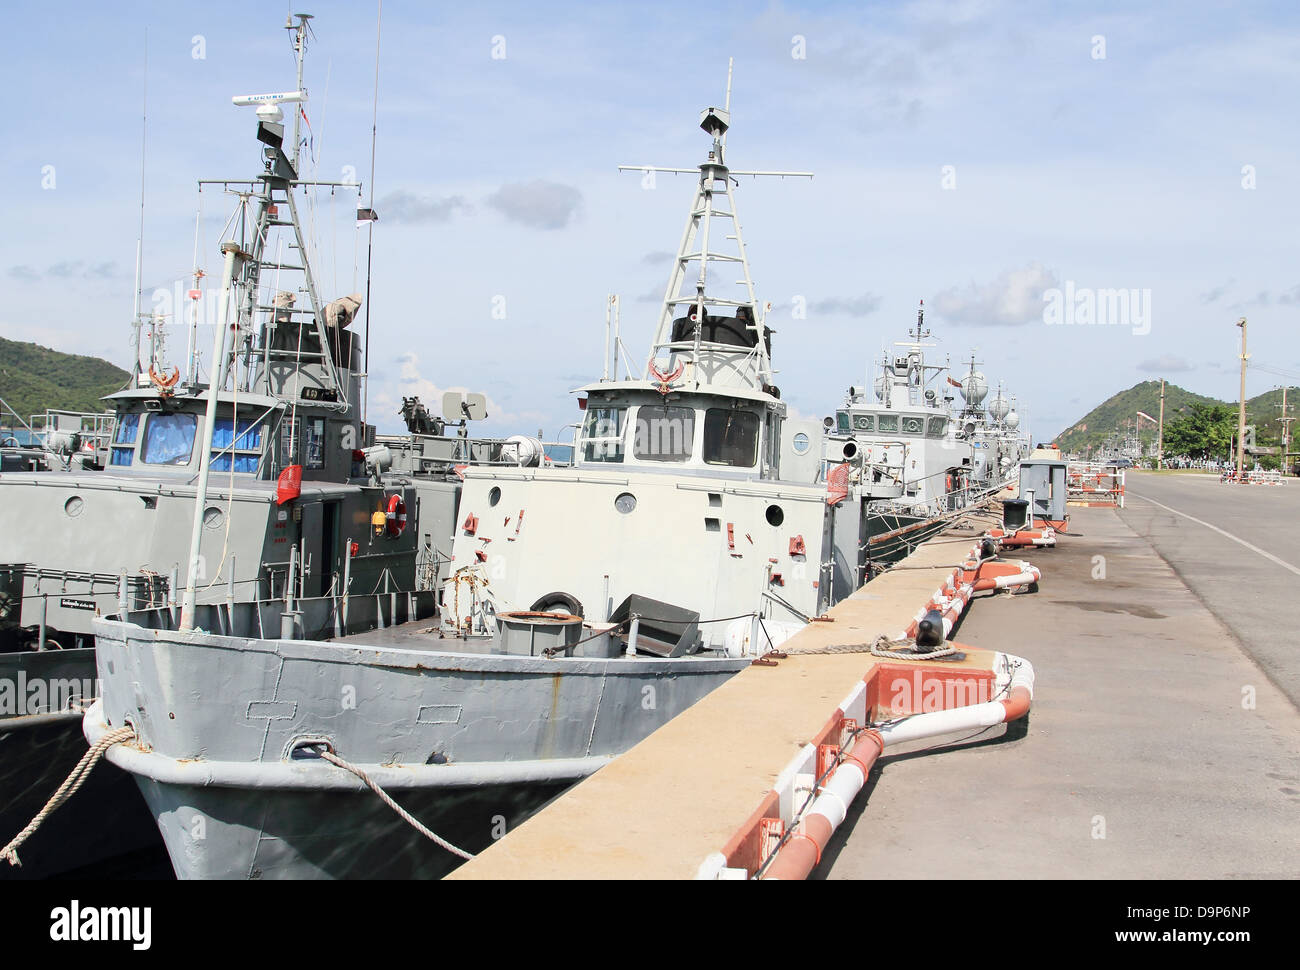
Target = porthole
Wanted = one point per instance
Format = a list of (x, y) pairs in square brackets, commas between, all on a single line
[(801, 444), (74, 506), (625, 502), (213, 517), (775, 515), (494, 496)]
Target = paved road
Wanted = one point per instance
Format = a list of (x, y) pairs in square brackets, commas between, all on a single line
[(1242, 558), (1140, 758)]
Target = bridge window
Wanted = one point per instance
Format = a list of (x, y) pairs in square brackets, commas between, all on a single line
[(863, 422), (913, 424), (168, 439), (314, 441), (887, 422), (937, 427), (842, 422), (602, 434), (127, 426), (302, 442), (242, 451), (730, 437), (664, 433)]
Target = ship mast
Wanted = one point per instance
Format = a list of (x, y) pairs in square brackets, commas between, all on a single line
[(697, 244), (299, 32)]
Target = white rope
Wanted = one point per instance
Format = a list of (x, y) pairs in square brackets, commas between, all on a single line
[(387, 800), (880, 649), (69, 788)]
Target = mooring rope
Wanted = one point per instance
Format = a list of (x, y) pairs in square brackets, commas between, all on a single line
[(880, 647), (69, 788), (387, 800)]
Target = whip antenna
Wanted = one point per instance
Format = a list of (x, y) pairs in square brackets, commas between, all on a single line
[(370, 231)]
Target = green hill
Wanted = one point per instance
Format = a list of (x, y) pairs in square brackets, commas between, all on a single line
[(33, 378), (1119, 410), (1264, 411)]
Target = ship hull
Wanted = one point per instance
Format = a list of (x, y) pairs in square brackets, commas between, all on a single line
[(227, 731)]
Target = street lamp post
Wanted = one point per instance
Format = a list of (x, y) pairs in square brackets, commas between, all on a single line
[(1241, 407)]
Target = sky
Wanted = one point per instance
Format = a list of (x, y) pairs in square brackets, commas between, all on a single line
[(1014, 165)]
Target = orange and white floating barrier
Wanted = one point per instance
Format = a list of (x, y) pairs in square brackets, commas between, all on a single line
[(1043, 535), (912, 700), (1260, 477), (1091, 484), (975, 575), (786, 836)]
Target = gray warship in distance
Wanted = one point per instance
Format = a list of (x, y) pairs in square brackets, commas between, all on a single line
[(310, 525), (912, 463), (690, 533)]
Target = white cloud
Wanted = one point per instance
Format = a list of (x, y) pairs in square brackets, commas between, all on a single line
[(407, 207), (853, 306), (1165, 364), (1013, 299), (538, 204)]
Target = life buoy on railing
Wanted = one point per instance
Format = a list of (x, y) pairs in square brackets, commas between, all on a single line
[(396, 516)]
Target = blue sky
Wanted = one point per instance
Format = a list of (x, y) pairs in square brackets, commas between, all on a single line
[(496, 177)]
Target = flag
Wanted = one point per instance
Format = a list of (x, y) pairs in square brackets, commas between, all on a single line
[(837, 484), (310, 140), (289, 485)]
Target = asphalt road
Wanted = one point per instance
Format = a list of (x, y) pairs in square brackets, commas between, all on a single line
[(1155, 748), (1242, 558)]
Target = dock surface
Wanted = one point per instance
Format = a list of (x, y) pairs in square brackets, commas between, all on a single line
[(1157, 747), (1139, 760)]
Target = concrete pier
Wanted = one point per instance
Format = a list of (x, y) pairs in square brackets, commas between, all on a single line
[(1159, 746)]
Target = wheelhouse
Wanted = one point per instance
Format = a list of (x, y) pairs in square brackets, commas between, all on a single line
[(892, 423), (636, 426)]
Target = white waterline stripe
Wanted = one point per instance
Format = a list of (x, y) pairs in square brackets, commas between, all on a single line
[(1267, 555)]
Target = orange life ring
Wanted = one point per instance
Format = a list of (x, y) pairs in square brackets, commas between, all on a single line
[(396, 516)]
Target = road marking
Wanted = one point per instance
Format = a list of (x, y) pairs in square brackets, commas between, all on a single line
[(1267, 555)]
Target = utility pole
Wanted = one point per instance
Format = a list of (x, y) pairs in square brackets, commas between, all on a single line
[(1286, 428), (1241, 407), (1160, 429)]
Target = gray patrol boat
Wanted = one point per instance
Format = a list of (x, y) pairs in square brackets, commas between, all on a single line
[(307, 524), (586, 606)]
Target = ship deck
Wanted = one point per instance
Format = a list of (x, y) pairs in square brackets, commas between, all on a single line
[(1164, 740)]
